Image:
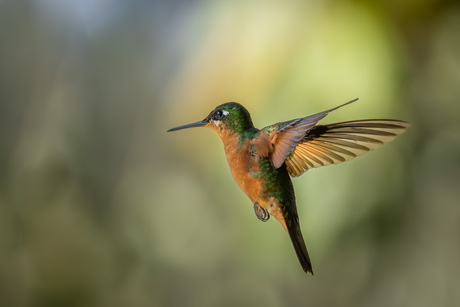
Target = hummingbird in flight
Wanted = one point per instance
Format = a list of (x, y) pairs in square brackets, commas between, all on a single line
[(263, 160)]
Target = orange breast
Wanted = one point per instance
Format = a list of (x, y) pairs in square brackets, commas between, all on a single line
[(244, 166)]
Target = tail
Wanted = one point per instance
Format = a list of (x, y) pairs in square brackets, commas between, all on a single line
[(299, 246)]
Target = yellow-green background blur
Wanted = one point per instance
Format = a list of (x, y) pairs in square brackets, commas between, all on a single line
[(99, 206)]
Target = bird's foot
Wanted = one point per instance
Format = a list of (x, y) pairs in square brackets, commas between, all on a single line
[(261, 213)]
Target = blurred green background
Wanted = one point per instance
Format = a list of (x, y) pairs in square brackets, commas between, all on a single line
[(99, 206)]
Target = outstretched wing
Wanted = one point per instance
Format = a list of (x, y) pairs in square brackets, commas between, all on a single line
[(340, 142), (285, 136)]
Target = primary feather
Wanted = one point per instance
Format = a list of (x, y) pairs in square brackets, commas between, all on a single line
[(341, 142)]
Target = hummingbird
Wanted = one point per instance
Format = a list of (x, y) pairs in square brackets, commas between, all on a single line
[(262, 161)]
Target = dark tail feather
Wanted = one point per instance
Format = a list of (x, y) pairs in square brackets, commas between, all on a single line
[(299, 246)]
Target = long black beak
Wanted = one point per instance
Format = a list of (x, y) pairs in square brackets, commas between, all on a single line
[(192, 125)]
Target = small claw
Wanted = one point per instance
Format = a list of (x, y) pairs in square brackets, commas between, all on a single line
[(261, 213)]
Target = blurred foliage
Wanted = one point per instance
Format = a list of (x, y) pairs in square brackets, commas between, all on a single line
[(99, 206)]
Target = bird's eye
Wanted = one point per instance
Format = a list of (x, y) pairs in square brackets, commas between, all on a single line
[(218, 115)]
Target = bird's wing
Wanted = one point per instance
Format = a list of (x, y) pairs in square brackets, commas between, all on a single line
[(340, 142), (285, 136)]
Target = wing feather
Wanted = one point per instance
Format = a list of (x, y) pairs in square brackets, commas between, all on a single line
[(285, 136), (310, 156), (341, 142)]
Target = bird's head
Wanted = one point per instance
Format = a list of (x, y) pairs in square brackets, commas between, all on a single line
[(228, 117)]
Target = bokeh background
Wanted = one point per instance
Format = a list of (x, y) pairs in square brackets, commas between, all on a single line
[(99, 206)]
